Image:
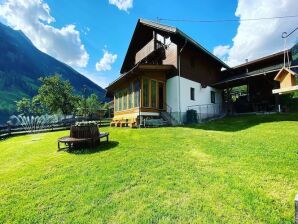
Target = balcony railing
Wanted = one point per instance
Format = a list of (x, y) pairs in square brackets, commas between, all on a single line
[(148, 49)]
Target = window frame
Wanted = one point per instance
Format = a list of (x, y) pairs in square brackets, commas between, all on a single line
[(213, 96), (192, 94), (144, 92), (155, 92)]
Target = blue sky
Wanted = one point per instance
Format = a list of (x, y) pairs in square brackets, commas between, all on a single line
[(80, 32)]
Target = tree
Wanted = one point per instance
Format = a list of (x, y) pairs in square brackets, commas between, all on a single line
[(89, 106), (93, 104), (36, 106), (57, 95), (24, 106)]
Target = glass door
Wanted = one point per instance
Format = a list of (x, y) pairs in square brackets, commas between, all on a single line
[(161, 95)]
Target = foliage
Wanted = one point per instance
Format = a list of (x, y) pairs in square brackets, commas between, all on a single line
[(236, 170), (57, 95), (93, 104), (28, 107), (89, 106), (24, 106), (86, 123)]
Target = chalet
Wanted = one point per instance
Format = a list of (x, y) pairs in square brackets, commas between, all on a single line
[(165, 73)]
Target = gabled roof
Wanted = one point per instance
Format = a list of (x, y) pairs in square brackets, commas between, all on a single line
[(270, 64), (279, 75), (171, 31), (243, 76), (267, 57)]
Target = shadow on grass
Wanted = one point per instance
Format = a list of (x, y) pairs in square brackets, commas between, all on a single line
[(242, 122), (103, 146)]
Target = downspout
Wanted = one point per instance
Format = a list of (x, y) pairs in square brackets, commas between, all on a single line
[(179, 85)]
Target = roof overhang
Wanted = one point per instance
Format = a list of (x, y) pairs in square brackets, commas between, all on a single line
[(242, 78), (137, 70)]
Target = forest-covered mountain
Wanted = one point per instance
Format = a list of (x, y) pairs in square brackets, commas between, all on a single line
[(21, 64)]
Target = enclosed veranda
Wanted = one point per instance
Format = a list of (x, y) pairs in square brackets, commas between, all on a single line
[(139, 94)]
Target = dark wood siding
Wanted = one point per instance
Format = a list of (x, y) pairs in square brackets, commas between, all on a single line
[(198, 67)]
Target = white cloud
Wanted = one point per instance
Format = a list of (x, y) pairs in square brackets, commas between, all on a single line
[(33, 18), (221, 51), (124, 5), (106, 62), (95, 77), (255, 39)]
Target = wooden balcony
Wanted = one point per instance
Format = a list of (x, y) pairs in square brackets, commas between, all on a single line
[(147, 50)]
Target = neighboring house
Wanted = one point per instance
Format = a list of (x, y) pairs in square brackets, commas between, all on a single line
[(165, 73)]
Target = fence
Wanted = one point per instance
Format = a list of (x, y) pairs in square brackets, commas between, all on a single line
[(206, 112), (9, 131)]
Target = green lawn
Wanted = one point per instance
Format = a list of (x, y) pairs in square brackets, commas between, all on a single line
[(236, 170)]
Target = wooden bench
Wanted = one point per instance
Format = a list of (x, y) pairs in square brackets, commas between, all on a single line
[(124, 123), (104, 135), (72, 142)]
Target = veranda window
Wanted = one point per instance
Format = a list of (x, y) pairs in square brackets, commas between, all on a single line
[(153, 94), (120, 101), (145, 92), (116, 102), (137, 93), (130, 95), (125, 99)]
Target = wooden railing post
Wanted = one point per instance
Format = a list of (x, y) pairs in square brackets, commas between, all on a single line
[(296, 209)]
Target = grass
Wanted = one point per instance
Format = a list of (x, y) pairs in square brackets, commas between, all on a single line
[(236, 170)]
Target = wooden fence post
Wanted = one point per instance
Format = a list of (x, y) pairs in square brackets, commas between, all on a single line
[(296, 209), (9, 130)]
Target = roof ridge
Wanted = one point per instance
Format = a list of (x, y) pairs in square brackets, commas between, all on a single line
[(158, 25), (183, 34)]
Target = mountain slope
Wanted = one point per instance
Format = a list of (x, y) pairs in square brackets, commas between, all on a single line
[(21, 64)]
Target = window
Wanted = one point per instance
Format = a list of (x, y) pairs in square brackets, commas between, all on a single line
[(145, 92), (153, 93), (125, 99), (136, 93), (192, 93), (116, 102), (212, 97), (130, 95), (120, 101)]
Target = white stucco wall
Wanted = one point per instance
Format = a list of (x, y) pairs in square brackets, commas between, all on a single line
[(172, 93), (202, 95)]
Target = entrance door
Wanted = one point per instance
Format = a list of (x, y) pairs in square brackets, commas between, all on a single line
[(161, 94)]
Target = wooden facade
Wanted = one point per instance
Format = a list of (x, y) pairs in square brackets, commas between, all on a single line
[(196, 66), (143, 93)]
